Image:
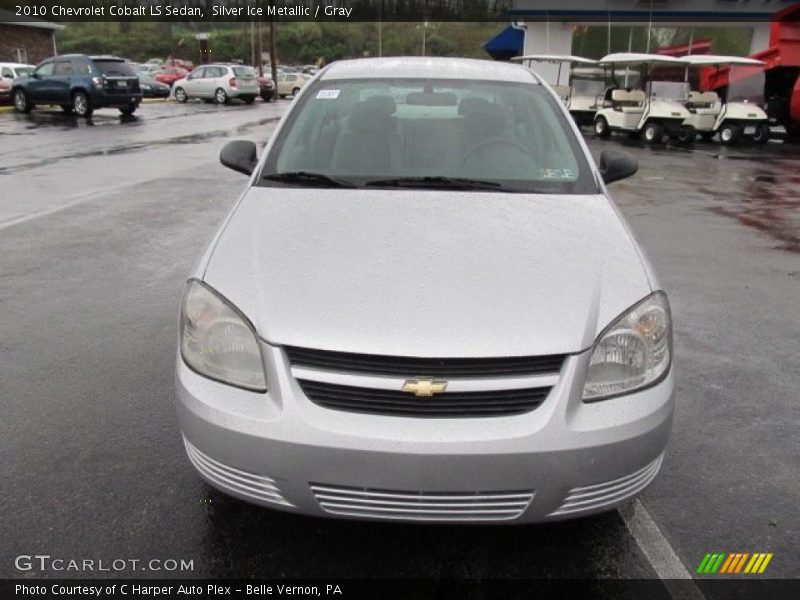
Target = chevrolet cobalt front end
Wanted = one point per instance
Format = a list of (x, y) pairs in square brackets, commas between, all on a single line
[(426, 307)]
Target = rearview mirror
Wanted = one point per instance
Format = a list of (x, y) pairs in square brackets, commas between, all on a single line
[(240, 156), (616, 165)]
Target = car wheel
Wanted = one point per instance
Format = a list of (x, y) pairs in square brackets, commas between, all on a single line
[(707, 136), (295, 91), (685, 136), (81, 104), (220, 96), (601, 128), (180, 95), (729, 134), (282, 96), (762, 134), (653, 133), (128, 110), (67, 108), (21, 102)]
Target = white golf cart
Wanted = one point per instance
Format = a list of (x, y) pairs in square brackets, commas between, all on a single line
[(652, 110), (739, 113), (579, 89)]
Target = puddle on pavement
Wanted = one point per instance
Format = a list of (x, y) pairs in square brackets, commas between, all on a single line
[(768, 203)]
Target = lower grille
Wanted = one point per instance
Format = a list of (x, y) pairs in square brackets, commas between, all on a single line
[(494, 403), (592, 497), (421, 506), (251, 485)]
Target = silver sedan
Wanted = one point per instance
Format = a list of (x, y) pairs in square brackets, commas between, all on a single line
[(425, 306)]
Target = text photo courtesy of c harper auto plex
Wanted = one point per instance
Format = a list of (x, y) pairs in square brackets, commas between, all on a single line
[(378, 299)]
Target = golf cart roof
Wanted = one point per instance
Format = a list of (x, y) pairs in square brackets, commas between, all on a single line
[(639, 58), (716, 59), (555, 58)]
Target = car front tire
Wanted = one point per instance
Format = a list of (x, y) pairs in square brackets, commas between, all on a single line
[(685, 136), (220, 96), (295, 91), (21, 101), (81, 104), (67, 108), (127, 111), (180, 95)]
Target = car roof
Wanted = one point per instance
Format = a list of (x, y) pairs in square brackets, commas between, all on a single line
[(14, 65), (408, 67)]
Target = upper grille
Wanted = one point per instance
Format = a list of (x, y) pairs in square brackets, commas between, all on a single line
[(408, 366), (421, 506), (493, 403)]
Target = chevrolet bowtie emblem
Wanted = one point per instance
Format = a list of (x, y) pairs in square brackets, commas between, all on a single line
[(424, 386)]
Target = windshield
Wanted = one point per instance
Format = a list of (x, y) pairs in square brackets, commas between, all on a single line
[(387, 132), (669, 90), (244, 72), (590, 88), (746, 84), (115, 68)]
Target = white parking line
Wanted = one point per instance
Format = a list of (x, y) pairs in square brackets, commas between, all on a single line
[(77, 199), (659, 553)]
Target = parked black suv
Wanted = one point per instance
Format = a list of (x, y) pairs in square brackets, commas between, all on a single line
[(79, 83)]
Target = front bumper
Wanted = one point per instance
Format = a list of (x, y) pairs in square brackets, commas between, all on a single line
[(563, 459)]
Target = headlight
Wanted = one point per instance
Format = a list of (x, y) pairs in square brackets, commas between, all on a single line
[(634, 352), (218, 341)]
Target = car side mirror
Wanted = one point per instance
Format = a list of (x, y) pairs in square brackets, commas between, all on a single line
[(239, 155), (616, 165)]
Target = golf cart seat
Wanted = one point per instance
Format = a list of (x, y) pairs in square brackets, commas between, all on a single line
[(702, 102), (562, 91), (628, 101)]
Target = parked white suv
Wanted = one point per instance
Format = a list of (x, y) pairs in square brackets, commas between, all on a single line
[(218, 82)]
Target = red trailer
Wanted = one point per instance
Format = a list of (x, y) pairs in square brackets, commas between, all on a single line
[(781, 76)]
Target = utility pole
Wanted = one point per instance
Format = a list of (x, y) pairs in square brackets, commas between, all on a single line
[(380, 28), (252, 43), (273, 58), (260, 51)]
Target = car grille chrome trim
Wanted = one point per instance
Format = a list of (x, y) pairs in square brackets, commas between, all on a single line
[(591, 497), (490, 403), (482, 384), (406, 366), (244, 483), (421, 506)]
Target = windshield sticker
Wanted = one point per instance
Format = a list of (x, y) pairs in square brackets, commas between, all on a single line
[(559, 174), (328, 94)]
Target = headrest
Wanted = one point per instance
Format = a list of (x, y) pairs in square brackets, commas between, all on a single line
[(470, 104), (373, 114), (484, 116), (380, 104)]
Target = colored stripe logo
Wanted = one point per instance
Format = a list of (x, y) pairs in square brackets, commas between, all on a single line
[(735, 563)]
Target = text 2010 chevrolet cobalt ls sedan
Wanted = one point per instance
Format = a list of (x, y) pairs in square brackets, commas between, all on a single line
[(426, 307)]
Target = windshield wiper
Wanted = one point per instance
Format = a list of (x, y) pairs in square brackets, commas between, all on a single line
[(308, 178), (437, 182)]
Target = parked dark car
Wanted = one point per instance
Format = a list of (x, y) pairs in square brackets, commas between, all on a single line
[(266, 88), (79, 83), (150, 87)]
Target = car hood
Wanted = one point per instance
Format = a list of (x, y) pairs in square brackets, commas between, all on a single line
[(427, 273)]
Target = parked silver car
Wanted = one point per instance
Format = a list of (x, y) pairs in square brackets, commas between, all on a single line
[(425, 306), (218, 82)]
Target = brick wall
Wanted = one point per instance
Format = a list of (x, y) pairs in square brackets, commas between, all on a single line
[(38, 43)]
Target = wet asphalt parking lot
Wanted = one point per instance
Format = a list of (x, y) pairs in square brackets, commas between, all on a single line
[(100, 223)]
